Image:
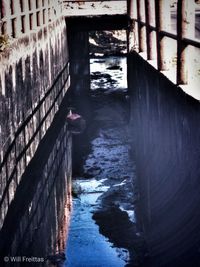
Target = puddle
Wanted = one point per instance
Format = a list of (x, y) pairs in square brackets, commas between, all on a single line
[(103, 229), (86, 246), (108, 75)]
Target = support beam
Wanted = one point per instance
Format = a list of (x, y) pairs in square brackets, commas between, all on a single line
[(162, 11), (6, 13), (150, 16), (185, 29), (141, 27)]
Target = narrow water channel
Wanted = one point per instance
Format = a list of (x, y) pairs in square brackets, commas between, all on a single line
[(103, 227)]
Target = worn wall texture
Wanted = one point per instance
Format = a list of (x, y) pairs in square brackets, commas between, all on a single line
[(166, 137), (33, 81), (37, 219), (35, 144)]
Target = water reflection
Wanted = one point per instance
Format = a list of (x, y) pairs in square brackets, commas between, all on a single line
[(108, 74), (103, 217)]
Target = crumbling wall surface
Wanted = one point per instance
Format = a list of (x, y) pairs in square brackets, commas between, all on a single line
[(166, 137), (34, 78)]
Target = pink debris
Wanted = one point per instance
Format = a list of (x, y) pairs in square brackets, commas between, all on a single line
[(73, 116)]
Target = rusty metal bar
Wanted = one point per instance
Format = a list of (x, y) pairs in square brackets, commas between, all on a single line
[(149, 30), (181, 47), (188, 41), (185, 35), (171, 35), (162, 24), (189, 18), (153, 28), (159, 44), (168, 34), (141, 28), (129, 13), (131, 8), (6, 12)]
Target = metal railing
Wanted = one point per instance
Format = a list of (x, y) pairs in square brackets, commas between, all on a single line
[(10, 172), (19, 17), (153, 23)]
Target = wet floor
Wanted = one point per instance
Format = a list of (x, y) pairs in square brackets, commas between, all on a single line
[(104, 230)]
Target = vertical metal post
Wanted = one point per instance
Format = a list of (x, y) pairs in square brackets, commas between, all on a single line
[(185, 28), (18, 22), (162, 10), (25, 18), (189, 18), (141, 28), (6, 13), (132, 11), (1, 16), (149, 33), (131, 32), (129, 3), (181, 48)]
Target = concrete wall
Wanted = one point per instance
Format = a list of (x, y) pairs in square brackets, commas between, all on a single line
[(33, 80), (166, 137), (37, 221), (35, 168)]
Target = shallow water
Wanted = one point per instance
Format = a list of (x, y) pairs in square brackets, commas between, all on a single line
[(103, 229), (86, 246), (111, 74)]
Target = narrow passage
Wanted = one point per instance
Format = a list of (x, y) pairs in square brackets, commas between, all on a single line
[(103, 229)]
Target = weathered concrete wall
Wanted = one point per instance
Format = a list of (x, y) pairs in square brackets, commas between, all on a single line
[(166, 137), (37, 218), (35, 169), (34, 78)]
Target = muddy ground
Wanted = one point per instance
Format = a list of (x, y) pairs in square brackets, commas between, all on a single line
[(105, 227)]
